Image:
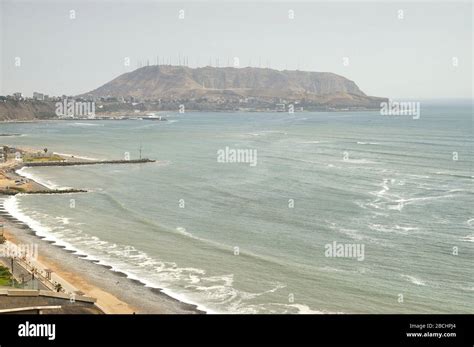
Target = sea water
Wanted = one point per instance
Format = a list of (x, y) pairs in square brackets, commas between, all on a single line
[(238, 238)]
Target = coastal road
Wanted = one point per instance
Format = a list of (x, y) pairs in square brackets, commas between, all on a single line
[(20, 273)]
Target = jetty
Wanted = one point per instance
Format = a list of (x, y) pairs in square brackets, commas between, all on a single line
[(13, 159), (88, 162), (44, 191)]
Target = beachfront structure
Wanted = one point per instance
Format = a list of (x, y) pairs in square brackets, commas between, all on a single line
[(32, 301), (9, 152)]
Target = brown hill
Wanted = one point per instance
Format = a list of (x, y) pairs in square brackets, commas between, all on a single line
[(26, 110), (167, 82)]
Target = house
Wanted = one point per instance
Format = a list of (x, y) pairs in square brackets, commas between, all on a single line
[(10, 152), (38, 96)]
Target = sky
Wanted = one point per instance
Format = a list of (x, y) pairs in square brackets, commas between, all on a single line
[(71, 47)]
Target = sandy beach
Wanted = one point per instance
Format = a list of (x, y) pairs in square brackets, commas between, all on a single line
[(107, 302), (115, 293)]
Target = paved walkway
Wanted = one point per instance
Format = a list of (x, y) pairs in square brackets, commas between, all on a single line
[(23, 276)]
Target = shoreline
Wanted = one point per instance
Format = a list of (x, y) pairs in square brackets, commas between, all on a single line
[(13, 181), (106, 302), (115, 291), (129, 118)]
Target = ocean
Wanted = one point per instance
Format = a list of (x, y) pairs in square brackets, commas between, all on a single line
[(233, 237)]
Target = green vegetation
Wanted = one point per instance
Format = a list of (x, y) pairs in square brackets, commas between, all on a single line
[(6, 277), (41, 159), (18, 189)]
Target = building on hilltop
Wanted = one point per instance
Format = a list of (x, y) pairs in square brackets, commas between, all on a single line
[(38, 96), (18, 96)]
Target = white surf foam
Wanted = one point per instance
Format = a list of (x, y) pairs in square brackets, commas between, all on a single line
[(468, 238), (470, 222), (183, 231), (89, 124), (304, 309), (26, 172), (11, 205), (311, 142), (397, 229), (117, 264), (414, 280), (135, 264), (367, 143), (358, 161)]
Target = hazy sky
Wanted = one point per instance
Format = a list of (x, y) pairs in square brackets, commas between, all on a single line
[(388, 56)]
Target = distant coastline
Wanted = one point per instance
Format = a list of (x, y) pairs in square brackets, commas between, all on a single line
[(143, 115), (168, 88)]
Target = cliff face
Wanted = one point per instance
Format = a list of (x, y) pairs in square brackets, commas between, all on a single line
[(179, 82), (26, 110)]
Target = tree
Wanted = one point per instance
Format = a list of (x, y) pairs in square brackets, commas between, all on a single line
[(58, 287), (45, 150), (5, 153)]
